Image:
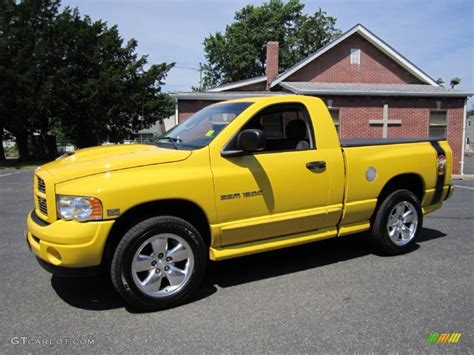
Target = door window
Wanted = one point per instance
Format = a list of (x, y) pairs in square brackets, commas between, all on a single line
[(287, 127)]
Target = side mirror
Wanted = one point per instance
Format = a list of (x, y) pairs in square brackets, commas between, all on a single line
[(251, 140)]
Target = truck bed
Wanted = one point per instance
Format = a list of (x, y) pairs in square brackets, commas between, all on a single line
[(346, 143), (371, 163)]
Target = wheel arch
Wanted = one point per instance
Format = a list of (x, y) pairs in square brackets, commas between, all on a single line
[(410, 181), (185, 209)]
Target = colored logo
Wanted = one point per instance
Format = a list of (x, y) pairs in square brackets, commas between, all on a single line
[(443, 338)]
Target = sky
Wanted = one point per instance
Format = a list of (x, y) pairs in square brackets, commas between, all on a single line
[(436, 35)]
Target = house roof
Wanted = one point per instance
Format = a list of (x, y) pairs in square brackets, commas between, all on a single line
[(238, 84), (336, 89), (373, 39), (358, 89), (226, 95)]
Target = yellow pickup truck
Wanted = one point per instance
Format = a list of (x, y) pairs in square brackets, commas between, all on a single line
[(238, 177)]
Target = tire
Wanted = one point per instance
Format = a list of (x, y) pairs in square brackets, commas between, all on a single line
[(159, 263), (397, 223)]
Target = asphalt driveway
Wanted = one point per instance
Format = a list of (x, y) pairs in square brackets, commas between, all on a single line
[(331, 296)]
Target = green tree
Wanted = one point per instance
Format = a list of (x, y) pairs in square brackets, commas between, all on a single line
[(239, 52), (66, 74), (22, 29), (2, 150), (109, 93)]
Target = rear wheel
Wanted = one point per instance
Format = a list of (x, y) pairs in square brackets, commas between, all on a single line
[(159, 263), (397, 223)]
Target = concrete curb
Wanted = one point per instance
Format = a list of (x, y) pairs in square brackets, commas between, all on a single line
[(463, 177)]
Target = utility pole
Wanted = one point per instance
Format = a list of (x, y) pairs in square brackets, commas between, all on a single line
[(200, 76), (200, 70)]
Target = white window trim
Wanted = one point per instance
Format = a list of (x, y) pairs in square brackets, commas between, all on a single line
[(439, 124), (355, 56)]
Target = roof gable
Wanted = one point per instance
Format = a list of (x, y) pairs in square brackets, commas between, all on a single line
[(373, 66), (378, 43)]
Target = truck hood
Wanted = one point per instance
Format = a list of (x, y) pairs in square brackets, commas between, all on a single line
[(91, 161)]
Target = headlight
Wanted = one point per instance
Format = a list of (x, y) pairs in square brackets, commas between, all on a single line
[(79, 208)]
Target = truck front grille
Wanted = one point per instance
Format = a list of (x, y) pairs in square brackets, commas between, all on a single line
[(41, 185), (43, 207)]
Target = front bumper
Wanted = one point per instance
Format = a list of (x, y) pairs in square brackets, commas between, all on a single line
[(67, 244)]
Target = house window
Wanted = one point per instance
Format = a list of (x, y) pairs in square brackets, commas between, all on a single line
[(334, 112), (438, 124), (355, 56), (272, 126)]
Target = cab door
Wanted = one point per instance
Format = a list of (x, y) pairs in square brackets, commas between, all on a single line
[(279, 191)]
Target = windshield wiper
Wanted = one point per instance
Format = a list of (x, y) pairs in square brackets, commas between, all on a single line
[(172, 140)]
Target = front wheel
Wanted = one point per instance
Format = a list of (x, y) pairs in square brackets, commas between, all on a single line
[(397, 223), (159, 263)]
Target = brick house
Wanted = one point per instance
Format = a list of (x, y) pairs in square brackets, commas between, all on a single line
[(470, 134), (370, 89)]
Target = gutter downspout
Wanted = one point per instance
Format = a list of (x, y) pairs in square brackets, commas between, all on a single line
[(176, 112), (463, 136)]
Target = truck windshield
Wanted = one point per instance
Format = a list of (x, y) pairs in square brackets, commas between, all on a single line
[(202, 127)]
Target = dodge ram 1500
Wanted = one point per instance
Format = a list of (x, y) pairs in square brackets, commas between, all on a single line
[(238, 177)]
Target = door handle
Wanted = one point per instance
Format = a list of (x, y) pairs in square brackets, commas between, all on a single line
[(316, 165)]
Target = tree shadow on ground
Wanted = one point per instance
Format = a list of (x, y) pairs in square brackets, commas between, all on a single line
[(98, 294)]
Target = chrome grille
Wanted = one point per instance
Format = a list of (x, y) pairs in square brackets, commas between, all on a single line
[(43, 207), (41, 185)]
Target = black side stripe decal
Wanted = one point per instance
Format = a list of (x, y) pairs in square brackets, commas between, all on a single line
[(439, 177)]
